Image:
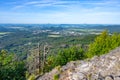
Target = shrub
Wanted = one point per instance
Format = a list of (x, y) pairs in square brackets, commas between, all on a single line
[(56, 77), (103, 44), (64, 56)]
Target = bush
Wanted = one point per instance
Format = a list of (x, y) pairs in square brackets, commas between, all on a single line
[(103, 44), (64, 56)]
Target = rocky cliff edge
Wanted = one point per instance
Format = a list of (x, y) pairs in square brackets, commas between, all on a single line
[(105, 67)]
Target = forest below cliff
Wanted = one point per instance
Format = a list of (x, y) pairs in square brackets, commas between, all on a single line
[(30, 67)]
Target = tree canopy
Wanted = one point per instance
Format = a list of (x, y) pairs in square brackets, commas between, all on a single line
[(10, 67)]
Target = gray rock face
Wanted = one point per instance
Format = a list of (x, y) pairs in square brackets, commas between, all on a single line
[(105, 67)]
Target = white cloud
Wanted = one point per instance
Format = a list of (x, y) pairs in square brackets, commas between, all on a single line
[(32, 3), (59, 3), (46, 3), (19, 6)]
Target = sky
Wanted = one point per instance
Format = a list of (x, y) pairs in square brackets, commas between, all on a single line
[(60, 11)]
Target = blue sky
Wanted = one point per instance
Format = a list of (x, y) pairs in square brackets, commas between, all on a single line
[(60, 11)]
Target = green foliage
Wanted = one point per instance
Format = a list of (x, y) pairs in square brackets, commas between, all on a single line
[(31, 77), (56, 77), (10, 68), (103, 44), (68, 55), (64, 56), (58, 68), (27, 74)]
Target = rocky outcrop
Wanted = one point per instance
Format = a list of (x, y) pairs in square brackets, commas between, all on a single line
[(105, 67)]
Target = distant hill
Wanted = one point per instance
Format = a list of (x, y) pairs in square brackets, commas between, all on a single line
[(3, 29), (7, 27), (105, 67)]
